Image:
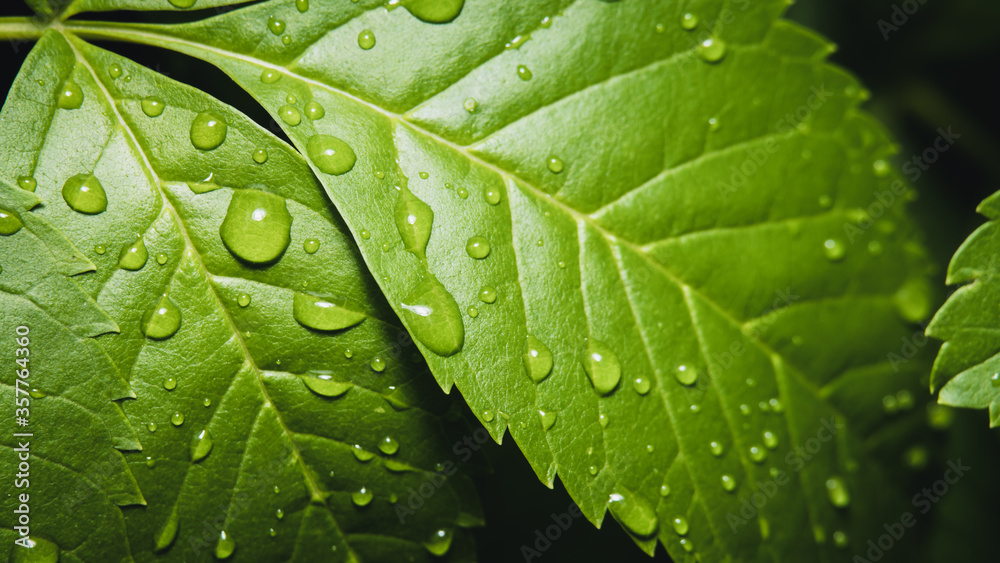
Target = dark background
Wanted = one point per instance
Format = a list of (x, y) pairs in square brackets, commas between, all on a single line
[(939, 68)]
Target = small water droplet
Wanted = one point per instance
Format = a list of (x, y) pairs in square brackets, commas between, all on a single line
[(100, 249), (208, 131), (488, 416), (207, 402), (689, 21), (836, 491), (686, 375), (728, 483), (537, 359), (362, 454), (27, 183), (151, 427), (366, 39), (134, 256), (524, 73), (439, 542), (555, 165), (290, 115), (310, 246), (243, 300), (388, 445), (225, 546), (324, 385), (712, 49), (275, 25), (114, 71), (182, 3), (170, 384), (758, 454), (269, 76), (361, 497), (601, 365), (259, 155), (745, 409), (71, 96), (473, 311), (201, 446), (85, 194), (177, 419), (302, 6), (162, 320), (680, 526), (770, 440), (664, 490), (377, 364), (477, 247), (257, 227), (330, 154), (492, 196), (548, 419), (314, 111), (641, 385), (592, 470), (279, 514), (834, 249), (365, 234), (470, 105), (152, 106), (840, 539)]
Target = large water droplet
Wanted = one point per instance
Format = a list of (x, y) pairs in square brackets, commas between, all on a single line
[(689, 21), (366, 39), (177, 418), (330, 154), (434, 318), (162, 320), (388, 445), (686, 375), (377, 364), (259, 155), (414, 220), (134, 256), (537, 359), (488, 294), (602, 366), (470, 105), (434, 11), (257, 227), (275, 25), (27, 183), (323, 313), (302, 6), (152, 106), (71, 96), (168, 532), (324, 385), (225, 546), (268, 76), (478, 247), (290, 115), (361, 497), (439, 542), (208, 131), (201, 445), (836, 491), (680, 526), (634, 513), (10, 222), (712, 49), (85, 194)]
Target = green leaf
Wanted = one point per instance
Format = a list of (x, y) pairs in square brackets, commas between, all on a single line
[(66, 8), (690, 224), (966, 368), (48, 325), (251, 421)]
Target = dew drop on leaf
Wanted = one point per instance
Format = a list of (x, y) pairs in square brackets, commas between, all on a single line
[(414, 220), (208, 131), (770, 440), (257, 227), (439, 542), (470, 105), (275, 25), (641, 385), (689, 21), (302, 6), (177, 419), (10, 222), (492, 196), (314, 111), (473, 311), (114, 71), (488, 294), (268, 76), (323, 313), (361, 497), (330, 154), (290, 115), (434, 11), (310, 246), (716, 448), (279, 514), (168, 532), (548, 419), (728, 483), (434, 318), (225, 546), (834, 249), (161, 258), (686, 375), (71, 96), (712, 49), (134, 256), (840, 539), (555, 165), (151, 427), (477, 247), (488, 416), (377, 364), (634, 513), (259, 155), (463, 193), (524, 73), (201, 446), (537, 359), (758, 454), (170, 384), (85, 194), (388, 445), (601, 365), (152, 106), (664, 490), (162, 320), (362, 454), (182, 3), (687, 544), (27, 183), (836, 491), (366, 39), (324, 385), (680, 526)]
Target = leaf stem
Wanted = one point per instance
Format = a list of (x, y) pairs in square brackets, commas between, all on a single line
[(21, 28)]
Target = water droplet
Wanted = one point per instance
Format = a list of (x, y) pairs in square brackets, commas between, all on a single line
[(225, 546), (183, 3), (257, 227), (435, 11), (434, 318), (664, 490), (716, 448), (695, 409), (758, 454), (168, 532), (279, 514), (561, 264), (881, 168), (377, 364), (641, 385), (439, 542), (473, 311), (592, 470), (162, 320), (27, 183), (201, 446), (728, 483), (207, 402), (470, 105), (687, 544), (208, 131), (177, 419), (524, 73), (492, 196), (834, 249), (275, 25), (10, 222), (745, 409), (366, 39), (150, 462), (634, 513), (310, 246), (71, 96), (269, 76), (348, 353), (686, 375), (323, 313), (388, 446), (324, 385), (414, 220), (290, 115), (555, 165), (548, 419), (161, 258), (362, 454), (488, 416), (314, 111), (680, 526), (478, 247), (365, 234), (243, 300), (840, 539), (259, 155), (330, 154), (114, 71), (689, 21), (85, 194), (836, 491), (770, 440), (151, 427), (713, 124), (361, 497), (601, 365), (603, 420), (537, 359), (302, 6), (170, 384), (712, 50), (152, 106), (134, 256)]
